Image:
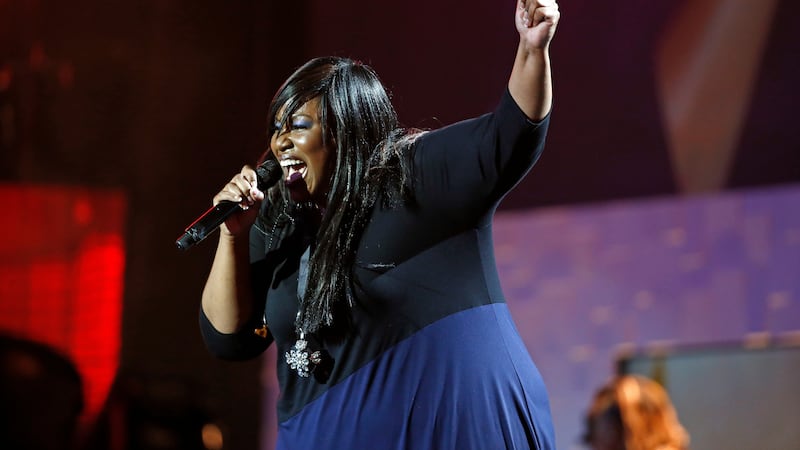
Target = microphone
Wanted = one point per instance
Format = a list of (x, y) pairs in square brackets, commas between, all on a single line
[(267, 174)]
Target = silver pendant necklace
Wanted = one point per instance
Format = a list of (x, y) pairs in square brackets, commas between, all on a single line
[(302, 358)]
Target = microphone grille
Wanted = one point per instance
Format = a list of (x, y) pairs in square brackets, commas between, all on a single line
[(268, 173)]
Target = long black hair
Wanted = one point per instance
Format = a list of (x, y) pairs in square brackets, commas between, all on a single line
[(372, 161)]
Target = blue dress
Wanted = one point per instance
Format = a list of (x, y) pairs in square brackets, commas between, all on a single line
[(430, 357)]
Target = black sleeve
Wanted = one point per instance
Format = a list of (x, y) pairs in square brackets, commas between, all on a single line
[(242, 345), (467, 167)]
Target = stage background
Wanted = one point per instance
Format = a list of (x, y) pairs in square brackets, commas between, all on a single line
[(673, 130)]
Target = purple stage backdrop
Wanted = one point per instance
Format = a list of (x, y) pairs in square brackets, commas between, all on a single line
[(585, 283)]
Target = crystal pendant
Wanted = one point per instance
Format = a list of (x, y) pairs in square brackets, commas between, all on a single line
[(301, 359)]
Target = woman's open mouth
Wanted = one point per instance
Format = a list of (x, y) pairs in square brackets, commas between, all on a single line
[(294, 170)]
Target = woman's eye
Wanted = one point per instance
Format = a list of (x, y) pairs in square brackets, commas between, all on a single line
[(301, 124)]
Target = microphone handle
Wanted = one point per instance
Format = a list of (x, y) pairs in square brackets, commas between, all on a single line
[(267, 174), (207, 223)]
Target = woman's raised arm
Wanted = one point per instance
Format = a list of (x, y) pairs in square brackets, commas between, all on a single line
[(531, 83)]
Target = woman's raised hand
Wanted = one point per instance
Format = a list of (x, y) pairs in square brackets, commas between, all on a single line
[(536, 22)]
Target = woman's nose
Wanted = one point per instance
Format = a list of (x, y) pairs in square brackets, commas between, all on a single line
[(282, 141)]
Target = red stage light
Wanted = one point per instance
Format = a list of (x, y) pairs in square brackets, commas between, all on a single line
[(62, 260)]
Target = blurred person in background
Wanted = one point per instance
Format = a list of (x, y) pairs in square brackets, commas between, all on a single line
[(41, 396), (632, 412)]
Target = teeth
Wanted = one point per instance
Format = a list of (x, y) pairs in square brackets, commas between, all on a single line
[(290, 162)]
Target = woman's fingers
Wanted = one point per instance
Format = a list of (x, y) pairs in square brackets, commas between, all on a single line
[(537, 21), (243, 188)]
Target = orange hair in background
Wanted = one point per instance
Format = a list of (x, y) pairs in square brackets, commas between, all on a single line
[(648, 419)]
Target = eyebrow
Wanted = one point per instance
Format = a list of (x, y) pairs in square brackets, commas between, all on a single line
[(279, 119)]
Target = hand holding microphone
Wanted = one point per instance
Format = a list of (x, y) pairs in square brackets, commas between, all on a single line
[(232, 204)]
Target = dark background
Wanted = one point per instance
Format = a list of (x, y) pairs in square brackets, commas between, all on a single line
[(166, 100)]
